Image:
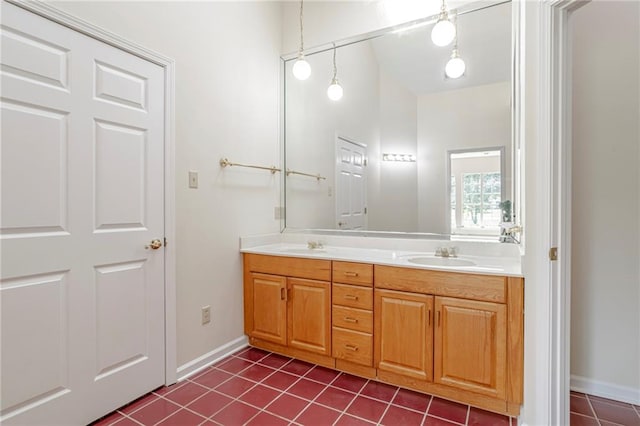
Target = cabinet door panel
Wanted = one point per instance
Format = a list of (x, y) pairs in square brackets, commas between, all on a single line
[(309, 315), (269, 308), (404, 333), (470, 345)]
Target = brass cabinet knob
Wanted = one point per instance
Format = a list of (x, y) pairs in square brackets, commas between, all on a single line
[(154, 245)]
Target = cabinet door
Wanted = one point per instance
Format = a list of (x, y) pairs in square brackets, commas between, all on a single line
[(309, 315), (269, 308), (403, 333), (470, 345)]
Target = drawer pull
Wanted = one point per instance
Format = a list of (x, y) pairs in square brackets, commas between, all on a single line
[(351, 274), (282, 293), (349, 319), (350, 297), (438, 318), (351, 347)]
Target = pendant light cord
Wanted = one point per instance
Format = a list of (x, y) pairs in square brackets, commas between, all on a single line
[(443, 11), (455, 39), (301, 27), (335, 68)]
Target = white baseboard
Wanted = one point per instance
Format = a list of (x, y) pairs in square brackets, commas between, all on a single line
[(204, 361), (605, 389)]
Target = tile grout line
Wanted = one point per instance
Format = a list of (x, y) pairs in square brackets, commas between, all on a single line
[(384, 413), (359, 393), (312, 401), (260, 409), (595, 415), (426, 410)]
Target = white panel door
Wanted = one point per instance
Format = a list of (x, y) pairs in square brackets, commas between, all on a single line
[(351, 184), (82, 300)]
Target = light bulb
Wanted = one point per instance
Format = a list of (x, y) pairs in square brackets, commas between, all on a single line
[(335, 92), (443, 32), (455, 67), (301, 69)]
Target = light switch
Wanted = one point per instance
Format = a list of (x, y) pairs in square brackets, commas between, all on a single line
[(193, 179)]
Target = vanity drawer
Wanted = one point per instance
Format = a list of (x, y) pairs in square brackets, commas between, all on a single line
[(353, 273), (353, 319), (314, 269), (490, 288), (353, 346), (352, 296)]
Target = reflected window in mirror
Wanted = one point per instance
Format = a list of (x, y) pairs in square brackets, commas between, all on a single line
[(476, 190)]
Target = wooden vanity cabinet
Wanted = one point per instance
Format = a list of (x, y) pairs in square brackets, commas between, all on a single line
[(474, 336), (287, 306), (454, 335), (404, 334), (470, 344), (269, 317), (352, 317)]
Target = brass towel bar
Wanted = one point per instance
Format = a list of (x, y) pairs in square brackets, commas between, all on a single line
[(224, 162), (293, 172)]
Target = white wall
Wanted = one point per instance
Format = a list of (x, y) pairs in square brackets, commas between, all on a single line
[(227, 97), (605, 323), (393, 200), (485, 112)]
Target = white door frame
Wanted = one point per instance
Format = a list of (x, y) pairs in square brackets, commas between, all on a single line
[(554, 204), (49, 12)]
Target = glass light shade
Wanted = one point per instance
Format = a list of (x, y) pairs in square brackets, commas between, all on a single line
[(301, 69), (335, 92), (443, 33), (455, 67)]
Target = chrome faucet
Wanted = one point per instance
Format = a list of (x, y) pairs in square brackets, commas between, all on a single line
[(312, 245), (447, 252)]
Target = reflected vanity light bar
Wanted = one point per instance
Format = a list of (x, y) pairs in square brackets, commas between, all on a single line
[(406, 158)]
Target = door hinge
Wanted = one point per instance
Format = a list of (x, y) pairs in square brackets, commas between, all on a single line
[(166, 242), (365, 162), (553, 253), (365, 210)]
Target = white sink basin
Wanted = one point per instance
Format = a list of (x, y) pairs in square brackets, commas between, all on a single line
[(440, 261)]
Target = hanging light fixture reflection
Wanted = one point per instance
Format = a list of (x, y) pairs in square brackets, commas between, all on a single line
[(301, 68), (443, 31), (455, 67), (334, 92)]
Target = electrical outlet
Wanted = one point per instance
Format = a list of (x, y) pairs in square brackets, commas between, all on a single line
[(193, 179), (206, 315)]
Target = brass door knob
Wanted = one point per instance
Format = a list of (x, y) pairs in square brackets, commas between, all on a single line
[(154, 245)]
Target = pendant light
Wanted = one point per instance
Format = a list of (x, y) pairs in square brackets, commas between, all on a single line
[(334, 92), (301, 68), (455, 67), (443, 31)]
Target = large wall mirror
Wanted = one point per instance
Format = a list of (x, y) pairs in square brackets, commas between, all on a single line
[(406, 149)]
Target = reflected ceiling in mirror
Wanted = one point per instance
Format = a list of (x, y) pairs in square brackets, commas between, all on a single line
[(397, 104)]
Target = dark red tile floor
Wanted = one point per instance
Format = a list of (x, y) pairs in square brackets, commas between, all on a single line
[(255, 387), (589, 410)]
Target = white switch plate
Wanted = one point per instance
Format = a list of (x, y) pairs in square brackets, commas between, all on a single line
[(193, 179), (206, 314)]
